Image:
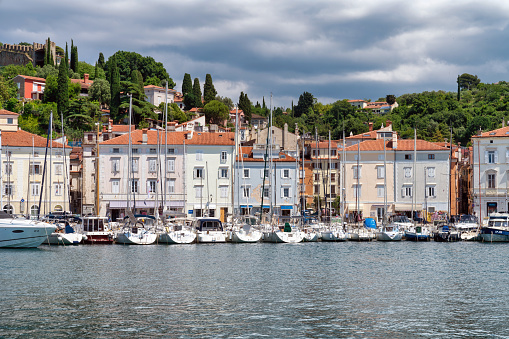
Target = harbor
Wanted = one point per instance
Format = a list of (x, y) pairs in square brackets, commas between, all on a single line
[(313, 290)]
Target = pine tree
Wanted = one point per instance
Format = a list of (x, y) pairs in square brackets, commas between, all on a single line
[(115, 88), (197, 93), (100, 61), (209, 92), (66, 59), (63, 89), (245, 105), (187, 84), (263, 104)]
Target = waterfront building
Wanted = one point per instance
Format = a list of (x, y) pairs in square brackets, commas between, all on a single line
[(490, 171), (253, 189), (25, 171), (156, 94)]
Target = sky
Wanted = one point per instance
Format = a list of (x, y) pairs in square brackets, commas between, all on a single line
[(343, 49)]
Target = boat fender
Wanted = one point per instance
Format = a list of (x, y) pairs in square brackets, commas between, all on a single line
[(85, 238)]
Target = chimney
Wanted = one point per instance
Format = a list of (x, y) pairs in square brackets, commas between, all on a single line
[(394, 139), (85, 77), (171, 126), (144, 137), (110, 125), (213, 128), (370, 126)]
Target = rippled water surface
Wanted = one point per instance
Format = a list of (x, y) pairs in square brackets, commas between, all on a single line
[(309, 290)]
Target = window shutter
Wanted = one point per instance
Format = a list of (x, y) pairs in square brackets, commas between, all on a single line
[(282, 192), (507, 156), (219, 173), (261, 173), (282, 173), (496, 157), (403, 192), (485, 157)]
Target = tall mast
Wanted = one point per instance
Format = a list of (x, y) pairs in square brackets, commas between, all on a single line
[(235, 181), (330, 184), (414, 190), (165, 146), (270, 159), (96, 172), (358, 175), (130, 183), (64, 167), (50, 191), (385, 184), (318, 205), (342, 173)]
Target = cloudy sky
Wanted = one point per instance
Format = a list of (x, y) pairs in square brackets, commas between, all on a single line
[(343, 49)]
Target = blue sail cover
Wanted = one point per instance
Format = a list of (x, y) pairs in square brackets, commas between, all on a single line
[(370, 223)]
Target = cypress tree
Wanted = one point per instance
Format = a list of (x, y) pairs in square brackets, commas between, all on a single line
[(96, 74), (63, 89), (66, 58), (74, 58), (197, 93), (245, 105), (209, 92), (458, 81), (187, 84), (100, 61), (47, 53), (72, 55), (115, 88)]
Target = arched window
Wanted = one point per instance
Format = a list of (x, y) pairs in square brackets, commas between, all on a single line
[(8, 209), (33, 210), (58, 208)]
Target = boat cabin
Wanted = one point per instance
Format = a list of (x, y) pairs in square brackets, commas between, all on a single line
[(95, 224), (207, 224)]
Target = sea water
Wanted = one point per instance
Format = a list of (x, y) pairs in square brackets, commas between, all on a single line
[(308, 290)]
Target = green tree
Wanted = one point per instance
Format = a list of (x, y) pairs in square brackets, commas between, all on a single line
[(86, 68), (189, 101), (245, 105), (45, 71), (100, 61), (187, 84), (154, 81), (7, 90), (216, 112), (227, 101), (306, 101), (51, 89), (74, 57), (468, 81), (100, 91), (63, 90), (114, 88), (209, 92), (197, 93), (390, 99), (137, 78)]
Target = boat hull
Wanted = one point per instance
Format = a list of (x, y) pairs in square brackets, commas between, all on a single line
[(177, 237), (411, 236), (242, 237), (64, 239), (129, 238), (26, 235), (489, 234), (211, 236), (283, 237), (97, 238), (446, 237), (389, 236)]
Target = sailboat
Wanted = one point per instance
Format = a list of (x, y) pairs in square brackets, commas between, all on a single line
[(137, 229)]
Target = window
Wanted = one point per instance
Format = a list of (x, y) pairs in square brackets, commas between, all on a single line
[(223, 191), (333, 189), (245, 191), (9, 121), (333, 177), (430, 191), (8, 189), (171, 186), (380, 157), (90, 137), (115, 150), (380, 191), (408, 172), (151, 186), (59, 169), (356, 191), (264, 172), (171, 151), (333, 152), (152, 165), (35, 188), (115, 186), (198, 191), (380, 172), (135, 166), (58, 189), (199, 155), (408, 156), (285, 192), (431, 172), (198, 172), (407, 191), (317, 176), (171, 165), (357, 172), (245, 173), (35, 168), (266, 192), (285, 173), (431, 156), (317, 189), (492, 180), (224, 157), (135, 151), (491, 157), (115, 165), (152, 151), (134, 186), (223, 173), (8, 168)]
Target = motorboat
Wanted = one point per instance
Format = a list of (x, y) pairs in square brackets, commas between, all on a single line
[(177, 231), (209, 230), (139, 231), (389, 232), (22, 233), (447, 233), (334, 233), (468, 226), (497, 229), (418, 233), (96, 230), (64, 234), (402, 222)]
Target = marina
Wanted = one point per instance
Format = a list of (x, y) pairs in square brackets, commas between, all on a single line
[(314, 290)]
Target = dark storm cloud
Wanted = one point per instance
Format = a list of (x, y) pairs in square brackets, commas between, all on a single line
[(333, 49)]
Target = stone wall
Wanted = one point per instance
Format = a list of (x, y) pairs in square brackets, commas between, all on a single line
[(22, 54)]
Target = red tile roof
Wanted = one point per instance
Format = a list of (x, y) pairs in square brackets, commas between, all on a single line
[(402, 145), (249, 158), (174, 138), (122, 128), (32, 78), (500, 132), (324, 144), (160, 88), (22, 138), (6, 112)]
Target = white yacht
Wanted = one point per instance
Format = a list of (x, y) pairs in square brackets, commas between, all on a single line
[(22, 233), (389, 232), (286, 234), (245, 229), (209, 230), (177, 231), (138, 233)]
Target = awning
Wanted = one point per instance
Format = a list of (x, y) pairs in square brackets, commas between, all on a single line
[(353, 207), (407, 207), (245, 206), (139, 203), (287, 207)]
